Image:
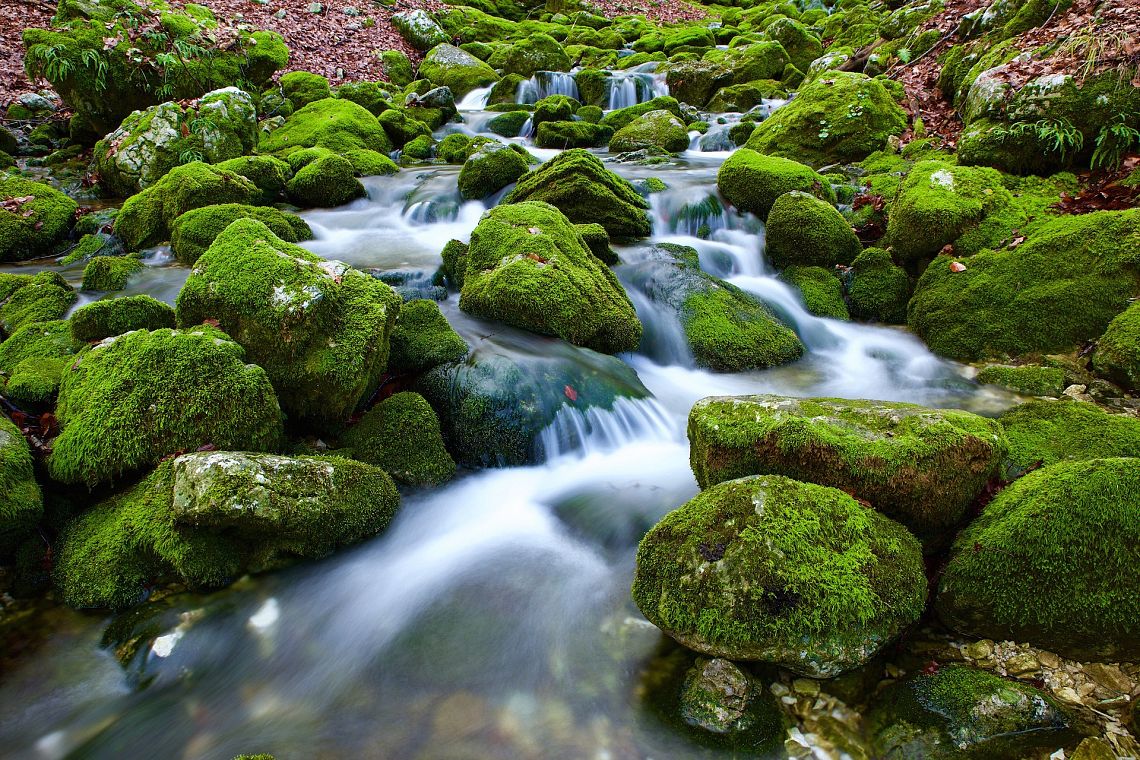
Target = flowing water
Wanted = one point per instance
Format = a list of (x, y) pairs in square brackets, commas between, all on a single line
[(492, 620)]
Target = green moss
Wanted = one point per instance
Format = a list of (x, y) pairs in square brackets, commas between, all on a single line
[(422, 148), (41, 298), (840, 117), (145, 218), (802, 46), (115, 316), (1032, 380), (301, 88), (656, 129), (319, 328), (194, 231), (110, 273), (749, 63), (572, 134), (1060, 288), (462, 72), (423, 339), (268, 173), (752, 181), (126, 403), (328, 181), (34, 383), (1051, 561), (401, 128), (590, 114), (538, 52), (401, 435), (509, 124), (369, 163), (623, 116), (820, 289), (454, 267), (1066, 431), (333, 123), (1117, 354), (695, 82), (585, 191), (39, 221), (454, 148), (371, 95), (555, 108), (771, 569), (920, 466), (879, 290), (88, 247), (805, 231), (694, 36), (490, 169), (21, 504), (38, 340), (598, 241)]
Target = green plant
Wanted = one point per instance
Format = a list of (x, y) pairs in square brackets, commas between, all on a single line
[(1112, 142), (189, 156), (1055, 135)]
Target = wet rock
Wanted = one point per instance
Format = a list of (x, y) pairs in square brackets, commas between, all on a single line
[(715, 696), (447, 65), (419, 30), (34, 220), (656, 129), (21, 504), (401, 436)]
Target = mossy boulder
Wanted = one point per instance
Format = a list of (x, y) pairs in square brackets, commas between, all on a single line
[(461, 72), (528, 266), (419, 30), (509, 124), (760, 60), (1030, 379), (34, 218), (326, 182), (801, 45), (489, 169), (398, 67), (206, 518), (837, 118), (656, 129), (1066, 431), (401, 436), (752, 182), (580, 186), (401, 128), (21, 503), (269, 173), (319, 328), (1060, 288), (146, 218), (194, 231), (38, 298), (804, 231), (537, 52), (454, 266), (333, 123), (129, 401), (565, 135), (820, 290), (107, 274), (34, 384), (922, 467), (878, 290), (375, 96), (957, 712), (38, 340), (937, 203), (1117, 354), (115, 316), (554, 108), (695, 82), (726, 329), (1051, 561), (774, 570), (301, 88), (423, 339)]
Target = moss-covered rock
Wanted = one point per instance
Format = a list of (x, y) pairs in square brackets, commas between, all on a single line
[(131, 400), (820, 289), (537, 52), (115, 316), (1051, 561), (752, 182), (206, 518), (801, 45), (770, 569), (554, 108), (1117, 354), (375, 96), (726, 329), (401, 128), (527, 265), (922, 467), (1060, 288), (957, 712), (38, 340), (490, 169), (333, 123), (34, 218), (319, 328), (509, 124), (579, 185), (1030, 379), (805, 231), (194, 231), (34, 383), (878, 289), (145, 219), (326, 182), (695, 82), (656, 129), (269, 173), (397, 67), (1066, 431), (26, 299), (423, 339), (565, 135), (598, 241), (107, 274), (837, 118), (301, 88), (419, 30), (422, 148), (21, 504), (623, 116), (454, 266), (401, 436), (451, 67)]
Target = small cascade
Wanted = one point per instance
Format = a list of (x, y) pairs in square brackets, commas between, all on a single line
[(676, 213), (527, 129), (662, 337), (622, 92), (715, 140), (595, 430), (476, 100), (544, 84)]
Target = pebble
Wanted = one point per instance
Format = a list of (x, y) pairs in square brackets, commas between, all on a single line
[(1022, 664), (806, 687), (1110, 677), (979, 650)]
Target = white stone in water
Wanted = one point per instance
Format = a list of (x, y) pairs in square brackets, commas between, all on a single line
[(266, 616), (164, 645)]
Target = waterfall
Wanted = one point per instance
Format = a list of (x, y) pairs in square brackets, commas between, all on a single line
[(544, 84), (623, 92), (581, 432)]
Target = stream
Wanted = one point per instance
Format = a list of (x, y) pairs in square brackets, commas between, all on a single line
[(493, 619)]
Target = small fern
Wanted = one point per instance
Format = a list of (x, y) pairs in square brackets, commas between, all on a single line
[(189, 156), (1055, 136), (1112, 143)]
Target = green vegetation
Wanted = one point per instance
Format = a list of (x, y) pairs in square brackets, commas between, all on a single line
[(38, 298), (655, 129), (115, 316), (401, 436), (422, 339), (1066, 431), (820, 289), (1032, 380), (20, 502), (806, 232), (333, 123), (194, 232), (108, 274), (752, 182), (33, 220), (878, 290), (489, 169), (1117, 354)]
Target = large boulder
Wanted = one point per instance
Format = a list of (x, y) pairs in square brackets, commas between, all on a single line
[(695, 82), (726, 329), (150, 143), (333, 123), (838, 118), (114, 316), (528, 266), (922, 467), (328, 180), (579, 185), (419, 29), (1117, 354), (537, 52), (461, 72), (129, 401), (422, 339), (206, 518), (20, 501), (820, 290), (957, 712), (752, 182), (489, 169), (1052, 561), (401, 435), (802, 230), (656, 129), (1047, 432), (760, 60), (623, 116), (34, 218), (774, 570), (319, 328), (26, 299), (1060, 288), (878, 289), (195, 231)]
